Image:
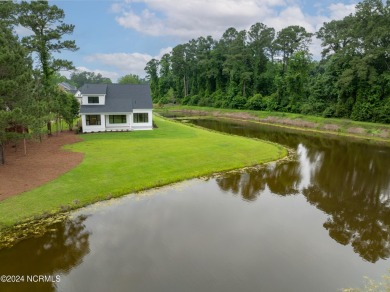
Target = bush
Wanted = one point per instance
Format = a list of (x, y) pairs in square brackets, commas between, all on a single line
[(329, 112), (307, 109), (217, 98), (186, 100), (341, 110), (382, 113), (205, 101), (255, 102), (193, 100), (271, 102), (238, 102), (362, 111)]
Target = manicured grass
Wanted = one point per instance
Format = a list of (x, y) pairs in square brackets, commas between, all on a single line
[(120, 163)]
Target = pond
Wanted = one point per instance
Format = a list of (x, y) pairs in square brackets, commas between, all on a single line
[(320, 222)]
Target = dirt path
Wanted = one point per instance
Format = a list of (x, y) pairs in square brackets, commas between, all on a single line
[(44, 162)]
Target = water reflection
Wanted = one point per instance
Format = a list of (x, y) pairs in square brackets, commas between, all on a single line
[(55, 253), (353, 189), (281, 178), (347, 180)]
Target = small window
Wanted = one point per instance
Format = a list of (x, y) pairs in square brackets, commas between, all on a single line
[(93, 99), (141, 118), (92, 120), (117, 119)]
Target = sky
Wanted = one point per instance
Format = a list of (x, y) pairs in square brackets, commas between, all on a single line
[(116, 38)]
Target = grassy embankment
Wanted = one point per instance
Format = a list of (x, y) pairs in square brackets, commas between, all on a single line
[(343, 127), (120, 163)]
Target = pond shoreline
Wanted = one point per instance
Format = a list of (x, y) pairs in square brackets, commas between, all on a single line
[(40, 225), (363, 131), (69, 196)]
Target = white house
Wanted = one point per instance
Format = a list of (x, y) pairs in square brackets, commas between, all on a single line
[(115, 107)]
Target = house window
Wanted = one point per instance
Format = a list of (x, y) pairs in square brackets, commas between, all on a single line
[(117, 119), (92, 120), (93, 99), (141, 118)]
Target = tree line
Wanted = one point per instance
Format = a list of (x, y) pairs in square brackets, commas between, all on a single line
[(261, 69), (30, 98), (79, 78)]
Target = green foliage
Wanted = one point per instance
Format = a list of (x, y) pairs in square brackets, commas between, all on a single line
[(382, 113), (238, 102), (255, 103), (78, 79), (66, 106), (16, 84), (351, 81), (30, 99), (362, 111), (131, 79), (46, 23)]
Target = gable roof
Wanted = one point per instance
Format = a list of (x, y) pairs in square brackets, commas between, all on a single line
[(93, 89), (68, 87), (120, 98)]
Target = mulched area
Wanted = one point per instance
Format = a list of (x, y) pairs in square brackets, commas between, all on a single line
[(44, 162)]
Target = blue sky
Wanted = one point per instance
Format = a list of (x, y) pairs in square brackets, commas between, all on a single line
[(119, 37)]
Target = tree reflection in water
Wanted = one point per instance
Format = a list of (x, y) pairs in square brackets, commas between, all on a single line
[(54, 253), (352, 186), (282, 179), (347, 180)]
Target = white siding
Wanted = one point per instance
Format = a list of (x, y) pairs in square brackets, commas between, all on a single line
[(118, 127), (93, 128), (143, 126), (129, 125), (102, 99)]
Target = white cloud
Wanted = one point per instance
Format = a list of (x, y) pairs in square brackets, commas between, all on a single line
[(340, 10), (194, 18), (125, 63), (292, 15), (22, 31)]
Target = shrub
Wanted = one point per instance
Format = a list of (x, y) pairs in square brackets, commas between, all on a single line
[(238, 102), (362, 111), (255, 102), (329, 112), (271, 102)]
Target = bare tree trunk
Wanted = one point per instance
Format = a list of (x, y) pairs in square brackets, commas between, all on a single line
[(58, 125), (185, 86), (24, 142), (49, 128), (2, 155)]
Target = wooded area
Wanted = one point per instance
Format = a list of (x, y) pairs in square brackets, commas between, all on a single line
[(29, 95), (260, 69)]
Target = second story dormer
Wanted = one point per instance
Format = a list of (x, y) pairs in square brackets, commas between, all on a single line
[(93, 94)]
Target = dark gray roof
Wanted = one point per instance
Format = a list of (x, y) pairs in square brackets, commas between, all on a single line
[(120, 98), (93, 89)]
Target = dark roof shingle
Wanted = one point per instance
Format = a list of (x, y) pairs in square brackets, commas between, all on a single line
[(120, 98)]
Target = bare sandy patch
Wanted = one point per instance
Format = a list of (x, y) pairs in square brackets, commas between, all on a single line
[(44, 162)]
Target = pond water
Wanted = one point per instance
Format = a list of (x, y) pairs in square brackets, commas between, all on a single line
[(317, 223)]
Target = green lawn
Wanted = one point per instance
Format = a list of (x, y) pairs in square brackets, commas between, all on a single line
[(120, 163)]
